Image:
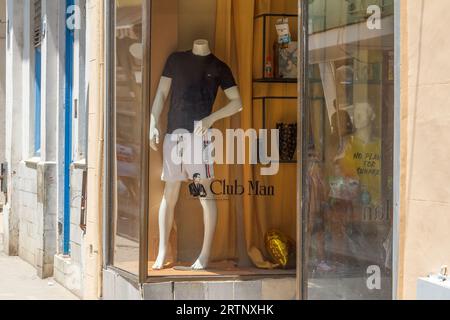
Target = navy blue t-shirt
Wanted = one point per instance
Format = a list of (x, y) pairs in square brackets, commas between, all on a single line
[(195, 83)]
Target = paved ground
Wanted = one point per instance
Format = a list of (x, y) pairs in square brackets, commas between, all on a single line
[(18, 281)]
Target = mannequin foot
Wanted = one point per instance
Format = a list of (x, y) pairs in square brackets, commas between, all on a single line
[(200, 264), (159, 264)]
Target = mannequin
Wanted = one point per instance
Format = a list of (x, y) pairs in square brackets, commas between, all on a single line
[(200, 50), (350, 185), (367, 158)]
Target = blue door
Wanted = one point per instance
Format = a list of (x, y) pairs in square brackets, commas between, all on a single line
[(37, 101), (68, 107)]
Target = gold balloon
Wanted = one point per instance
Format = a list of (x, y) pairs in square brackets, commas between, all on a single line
[(280, 248)]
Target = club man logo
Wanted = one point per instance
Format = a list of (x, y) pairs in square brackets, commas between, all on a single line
[(196, 188)]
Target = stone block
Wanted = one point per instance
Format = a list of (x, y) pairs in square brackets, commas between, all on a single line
[(75, 213), (189, 291), (59, 276), (28, 199), (219, 290), (50, 222), (159, 291), (109, 282), (28, 181), (248, 290), (76, 180), (124, 290), (75, 252), (279, 289), (76, 234), (59, 264)]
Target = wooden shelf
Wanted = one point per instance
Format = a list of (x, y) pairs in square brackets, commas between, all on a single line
[(264, 15), (276, 80)]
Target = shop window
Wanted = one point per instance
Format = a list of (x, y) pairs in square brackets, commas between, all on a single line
[(348, 150), (232, 217), (234, 69)]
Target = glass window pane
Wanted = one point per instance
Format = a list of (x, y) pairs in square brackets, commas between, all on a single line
[(228, 218), (349, 175), (128, 133)]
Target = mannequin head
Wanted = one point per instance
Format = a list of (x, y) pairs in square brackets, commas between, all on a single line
[(201, 48), (342, 124), (364, 116)]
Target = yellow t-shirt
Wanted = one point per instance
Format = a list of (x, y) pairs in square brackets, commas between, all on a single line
[(363, 161)]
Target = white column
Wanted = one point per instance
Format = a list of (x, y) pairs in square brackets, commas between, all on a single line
[(27, 84), (52, 76), (2, 77), (52, 102), (13, 119)]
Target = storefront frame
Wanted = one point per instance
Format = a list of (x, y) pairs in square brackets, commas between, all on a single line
[(397, 148), (108, 198), (302, 105)]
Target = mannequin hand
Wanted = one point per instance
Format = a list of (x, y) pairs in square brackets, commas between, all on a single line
[(154, 138), (202, 127)]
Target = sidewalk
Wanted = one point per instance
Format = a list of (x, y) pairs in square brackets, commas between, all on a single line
[(18, 281)]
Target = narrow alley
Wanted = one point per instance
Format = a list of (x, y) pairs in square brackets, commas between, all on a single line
[(18, 280)]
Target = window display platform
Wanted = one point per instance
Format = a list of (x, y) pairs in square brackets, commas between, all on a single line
[(216, 269)]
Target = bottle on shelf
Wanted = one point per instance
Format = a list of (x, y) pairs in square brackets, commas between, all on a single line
[(268, 70)]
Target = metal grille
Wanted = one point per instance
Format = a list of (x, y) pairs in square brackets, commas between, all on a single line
[(37, 30)]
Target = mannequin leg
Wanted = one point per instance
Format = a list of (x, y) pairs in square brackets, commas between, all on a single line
[(166, 217), (209, 206)]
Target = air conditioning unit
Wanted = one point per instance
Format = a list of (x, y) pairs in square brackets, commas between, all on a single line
[(434, 287)]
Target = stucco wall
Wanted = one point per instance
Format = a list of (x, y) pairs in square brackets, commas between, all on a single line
[(95, 72), (425, 192), (69, 271), (28, 235), (2, 78)]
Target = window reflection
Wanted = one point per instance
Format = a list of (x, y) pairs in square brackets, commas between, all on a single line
[(349, 170), (128, 102)]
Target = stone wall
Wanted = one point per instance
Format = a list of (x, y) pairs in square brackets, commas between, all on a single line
[(425, 135)]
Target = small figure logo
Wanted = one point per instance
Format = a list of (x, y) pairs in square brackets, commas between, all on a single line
[(196, 189)]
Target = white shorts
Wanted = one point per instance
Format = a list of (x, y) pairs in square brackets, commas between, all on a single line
[(185, 156)]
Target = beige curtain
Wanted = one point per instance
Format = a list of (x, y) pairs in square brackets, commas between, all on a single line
[(237, 36)]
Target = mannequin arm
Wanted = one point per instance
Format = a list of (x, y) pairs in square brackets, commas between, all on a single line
[(233, 107), (158, 105)]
